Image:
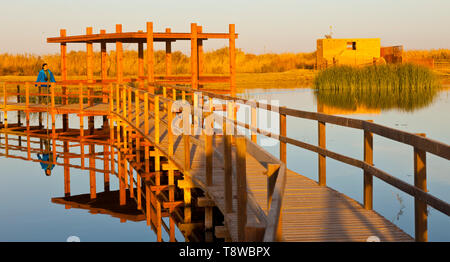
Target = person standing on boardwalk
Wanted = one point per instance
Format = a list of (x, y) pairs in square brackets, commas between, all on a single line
[(45, 75)]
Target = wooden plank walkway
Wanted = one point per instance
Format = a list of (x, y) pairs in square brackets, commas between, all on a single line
[(198, 167), (310, 212), (314, 213)]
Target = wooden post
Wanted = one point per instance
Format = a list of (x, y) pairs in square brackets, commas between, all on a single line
[(122, 170), (157, 167), (18, 101), (195, 116), (227, 166), (146, 131), (137, 103), (90, 77), (62, 33), (111, 98), (27, 106), (111, 146), (118, 87), (232, 51), (209, 159), (81, 100), (168, 55), (89, 57), (254, 123), (194, 56), (124, 104), (65, 99), (53, 127), (140, 61), (368, 179), (150, 57), (129, 113), (124, 132), (139, 190), (137, 111), (200, 51), (119, 56), (420, 207), (53, 111), (5, 96), (170, 129), (104, 71), (131, 186), (171, 168), (104, 58), (28, 147), (241, 185), (322, 144), (322, 158), (106, 154), (66, 170), (156, 107), (148, 202), (27, 96), (272, 174), (92, 179), (282, 133)]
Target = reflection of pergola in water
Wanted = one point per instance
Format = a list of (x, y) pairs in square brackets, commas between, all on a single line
[(18, 141), (196, 38)]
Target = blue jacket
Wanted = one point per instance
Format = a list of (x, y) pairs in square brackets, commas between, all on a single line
[(42, 77), (46, 158)]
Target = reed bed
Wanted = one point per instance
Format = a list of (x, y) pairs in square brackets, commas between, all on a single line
[(406, 87)]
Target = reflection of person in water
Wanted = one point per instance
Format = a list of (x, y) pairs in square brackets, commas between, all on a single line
[(48, 167), (47, 156)]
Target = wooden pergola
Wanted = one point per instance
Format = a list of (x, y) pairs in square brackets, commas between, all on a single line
[(196, 36)]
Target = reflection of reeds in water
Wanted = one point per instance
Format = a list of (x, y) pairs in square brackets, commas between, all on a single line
[(406, 87)]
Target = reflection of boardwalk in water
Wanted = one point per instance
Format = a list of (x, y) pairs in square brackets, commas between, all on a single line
[(23, 145), (105, 203)]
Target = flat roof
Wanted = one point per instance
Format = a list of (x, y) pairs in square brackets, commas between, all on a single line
[(135, 37)]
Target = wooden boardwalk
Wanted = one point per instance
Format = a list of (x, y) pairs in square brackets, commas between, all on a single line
[(309, 213), (197, 169), (314, 213)]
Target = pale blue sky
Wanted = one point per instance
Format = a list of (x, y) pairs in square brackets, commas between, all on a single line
[(264, 25)]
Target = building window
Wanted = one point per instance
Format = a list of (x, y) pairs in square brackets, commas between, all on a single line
[(351, 45)]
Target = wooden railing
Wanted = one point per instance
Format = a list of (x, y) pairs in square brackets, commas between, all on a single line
[(54, 93), (419, 142), (129, 104)]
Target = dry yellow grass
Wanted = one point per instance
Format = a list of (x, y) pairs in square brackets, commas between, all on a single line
[(433, 53), (216, 62)]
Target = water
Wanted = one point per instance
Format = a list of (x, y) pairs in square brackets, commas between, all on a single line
[(390, 156)]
